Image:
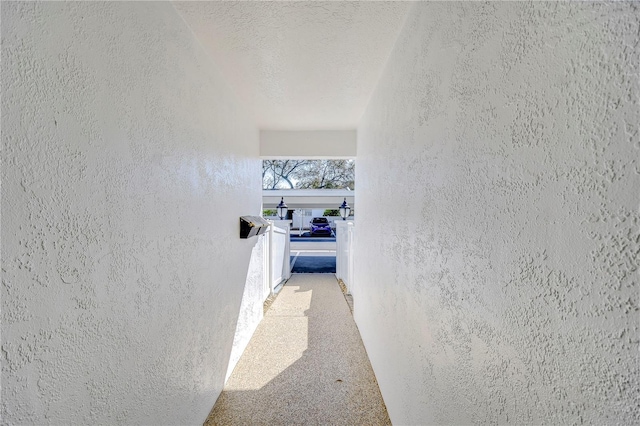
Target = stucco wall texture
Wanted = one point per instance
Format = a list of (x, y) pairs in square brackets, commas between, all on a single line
[(252, 307), (126, 164), (499, 156)]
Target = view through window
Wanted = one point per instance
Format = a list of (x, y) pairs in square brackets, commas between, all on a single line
[(311, 215), (308, 174)]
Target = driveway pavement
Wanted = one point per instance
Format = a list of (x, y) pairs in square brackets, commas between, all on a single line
[(313, 264)]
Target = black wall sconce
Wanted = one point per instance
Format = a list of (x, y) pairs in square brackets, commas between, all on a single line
[(252, 226), (282, 209), (344, 209)]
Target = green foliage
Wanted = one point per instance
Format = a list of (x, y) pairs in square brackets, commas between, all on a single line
[(266, 213), (330, 212)]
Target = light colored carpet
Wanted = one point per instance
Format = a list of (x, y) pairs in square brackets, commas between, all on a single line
[(305, 365)]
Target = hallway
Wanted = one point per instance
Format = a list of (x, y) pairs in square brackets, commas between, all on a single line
[(495, 258), (305, 364)]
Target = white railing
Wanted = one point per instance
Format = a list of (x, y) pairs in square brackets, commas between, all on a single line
[(279, 260), (301, 219), (269, 267), (344, 252)]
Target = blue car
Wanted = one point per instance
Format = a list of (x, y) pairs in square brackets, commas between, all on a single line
[(320, 226)]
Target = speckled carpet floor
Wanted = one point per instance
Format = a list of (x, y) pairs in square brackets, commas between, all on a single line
[(305, 365)]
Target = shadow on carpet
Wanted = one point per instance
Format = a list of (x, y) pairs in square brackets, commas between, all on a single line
[(314, 264)]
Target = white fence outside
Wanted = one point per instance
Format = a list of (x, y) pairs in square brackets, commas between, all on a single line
[(301, 222), (278, 260), (344, 252)]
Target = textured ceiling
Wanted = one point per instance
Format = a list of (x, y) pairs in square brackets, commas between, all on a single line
[(299, 65)]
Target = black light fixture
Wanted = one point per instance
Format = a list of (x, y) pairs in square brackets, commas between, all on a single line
[(282, 209), (345, 209)]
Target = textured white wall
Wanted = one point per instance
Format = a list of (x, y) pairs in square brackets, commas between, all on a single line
[(126, 164), (503, 143), (306, 144), (299, 64), (252, 305)]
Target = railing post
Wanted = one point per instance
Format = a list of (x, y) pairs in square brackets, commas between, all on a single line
[(271, 256), (287, 254), (344, 252), (350, 268)]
